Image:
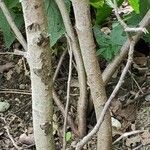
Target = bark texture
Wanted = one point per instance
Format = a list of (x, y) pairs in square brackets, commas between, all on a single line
[(94, 77), (39, 59)]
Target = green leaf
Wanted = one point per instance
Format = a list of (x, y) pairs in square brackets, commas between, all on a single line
[(68, 136), (8, 34), (11, 3), (117, 36), (135, 5), (103, 12), (133, 19), (110, 3), (97, 3), (105, 52), (101, 38), (55, 23), (109, 45)]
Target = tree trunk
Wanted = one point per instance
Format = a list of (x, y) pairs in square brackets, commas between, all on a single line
[(39, 59), (94, 77)]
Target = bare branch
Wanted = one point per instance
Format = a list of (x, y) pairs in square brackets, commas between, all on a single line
[(127, 134), (68, 94), (59, 65), (15, 92), (110, 69)]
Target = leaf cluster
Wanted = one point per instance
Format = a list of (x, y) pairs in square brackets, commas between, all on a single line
[(108, 45)]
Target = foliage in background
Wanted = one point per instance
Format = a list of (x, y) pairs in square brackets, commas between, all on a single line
[(15, 10), (102, 10), (97, 3), (135, 5), (56, 25), (109, 45)]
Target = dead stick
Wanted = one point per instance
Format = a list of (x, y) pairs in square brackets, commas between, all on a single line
[(68, 94)]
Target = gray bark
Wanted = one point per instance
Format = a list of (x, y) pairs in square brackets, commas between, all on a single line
[(94, 77), (39, 59)]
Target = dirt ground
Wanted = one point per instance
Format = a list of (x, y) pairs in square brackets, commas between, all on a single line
[(130, 108)]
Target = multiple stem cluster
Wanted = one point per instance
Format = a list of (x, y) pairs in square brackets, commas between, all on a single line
[(82, 47)]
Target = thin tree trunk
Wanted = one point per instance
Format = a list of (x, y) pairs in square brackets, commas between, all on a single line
[(82, 103), (94, 77), (39, 59)]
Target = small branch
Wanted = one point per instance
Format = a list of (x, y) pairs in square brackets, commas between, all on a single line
[(140, 89), (127, 134), (110, 69), (68, 95), (6, 53), (12, 24), (138, 147), (124, 25), (21, 53), (129, 29), (57, 99), (16, 52), (62, 109), (59, 65)]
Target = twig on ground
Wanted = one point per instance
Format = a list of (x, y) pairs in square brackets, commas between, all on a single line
[(9, 135), (138, 147), (127, 134), (113, 94), (15, 92), (136, 99), (68, 93), (6, 67), (23, 108), (140, 89)]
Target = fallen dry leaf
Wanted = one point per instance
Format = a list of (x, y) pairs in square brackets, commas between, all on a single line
[(26, 139), (145, 138)]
